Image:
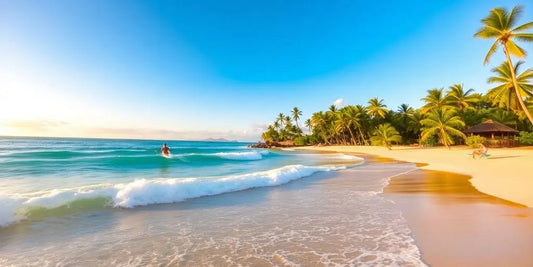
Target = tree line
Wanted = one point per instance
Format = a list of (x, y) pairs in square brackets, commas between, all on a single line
[(445, 113)]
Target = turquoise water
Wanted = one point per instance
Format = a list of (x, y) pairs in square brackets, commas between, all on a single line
[(93, 202), (52, 173)]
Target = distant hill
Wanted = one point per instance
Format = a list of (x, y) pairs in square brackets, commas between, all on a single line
[(219, 140)]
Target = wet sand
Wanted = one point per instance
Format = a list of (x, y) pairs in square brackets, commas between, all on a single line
[(454, 224)]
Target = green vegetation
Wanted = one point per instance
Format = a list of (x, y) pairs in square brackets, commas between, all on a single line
[(475, 141), (526, 138), (384, 135), (445, 112)]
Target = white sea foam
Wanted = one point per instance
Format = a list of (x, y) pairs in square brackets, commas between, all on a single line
[(247, 155), (145, 192)]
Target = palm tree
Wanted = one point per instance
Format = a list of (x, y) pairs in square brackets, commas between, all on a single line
[(296, 113), (287, 121), (280, 119), (308, 124), (332, 109), (500, 25), (276, 125), (434, 100), (506, 117), (504, 95), (319, 124), (384, 135), (414, 124), (460, 98), (442, 122), (376, 108)]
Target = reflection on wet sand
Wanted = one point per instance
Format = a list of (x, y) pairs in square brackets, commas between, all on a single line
[(454, 224)]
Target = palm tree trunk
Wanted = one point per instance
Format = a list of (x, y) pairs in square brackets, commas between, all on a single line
[(362, 136), (351, 134), (515, 85)]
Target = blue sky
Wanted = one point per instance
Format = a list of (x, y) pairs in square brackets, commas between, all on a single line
[(198, 69)]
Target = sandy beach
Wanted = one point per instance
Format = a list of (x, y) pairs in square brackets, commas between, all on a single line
[(502, 175), (454, 223)]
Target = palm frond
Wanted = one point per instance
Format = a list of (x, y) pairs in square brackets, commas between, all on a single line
[(515, 49), (497, 80), (491, 52), (487, 32), (526, 37), (523, 27), (513, 16)]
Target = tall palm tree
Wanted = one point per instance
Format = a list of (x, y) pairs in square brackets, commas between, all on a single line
[(376, 108), (308, 125), (355, 116), (384, 135), (500, 25), (296, 113), (319, 124), (504, 95), (460, 98), (287, 122), (342, 124), (434, 100), (281, 119), (442, 122), (276, 125)]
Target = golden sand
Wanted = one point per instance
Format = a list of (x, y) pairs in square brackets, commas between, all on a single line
[(506, 174)]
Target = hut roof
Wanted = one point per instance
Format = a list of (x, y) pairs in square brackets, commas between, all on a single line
[(490, 126)]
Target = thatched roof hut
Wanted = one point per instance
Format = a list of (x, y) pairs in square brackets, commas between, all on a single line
[(497, 134)]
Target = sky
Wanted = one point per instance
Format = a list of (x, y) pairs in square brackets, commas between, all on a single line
[(225, 69)]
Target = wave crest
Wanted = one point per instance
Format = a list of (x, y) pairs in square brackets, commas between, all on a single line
[(143, 192)]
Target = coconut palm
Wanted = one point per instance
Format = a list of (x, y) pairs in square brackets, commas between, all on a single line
[(460, 98), (280, 119), (308, 124), (434, 100), (296, 113), (414, 124), (343, 124), (442, 122), (504, 95), (500, 25), (319, 124), (287, 121), (506, 117), (332, 109), (376, 108), (384, 135)]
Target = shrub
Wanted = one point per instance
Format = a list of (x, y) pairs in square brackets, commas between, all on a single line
[(431, 141), (313, 139), (475, 140), (301, 141), (526, 138)]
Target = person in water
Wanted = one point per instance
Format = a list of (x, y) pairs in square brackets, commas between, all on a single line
[(480, 152), (165, 150)]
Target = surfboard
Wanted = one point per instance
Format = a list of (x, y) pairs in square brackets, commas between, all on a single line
[(168, 156)]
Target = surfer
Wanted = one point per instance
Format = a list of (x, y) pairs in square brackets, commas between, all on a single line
[(165, 150)]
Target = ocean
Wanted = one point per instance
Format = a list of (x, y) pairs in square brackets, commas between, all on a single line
[(96, 202)]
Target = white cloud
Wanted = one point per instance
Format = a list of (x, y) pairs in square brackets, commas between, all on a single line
[(339, 103)]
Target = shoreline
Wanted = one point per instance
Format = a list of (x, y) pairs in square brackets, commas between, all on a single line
[(501, 175), (448, 216)]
